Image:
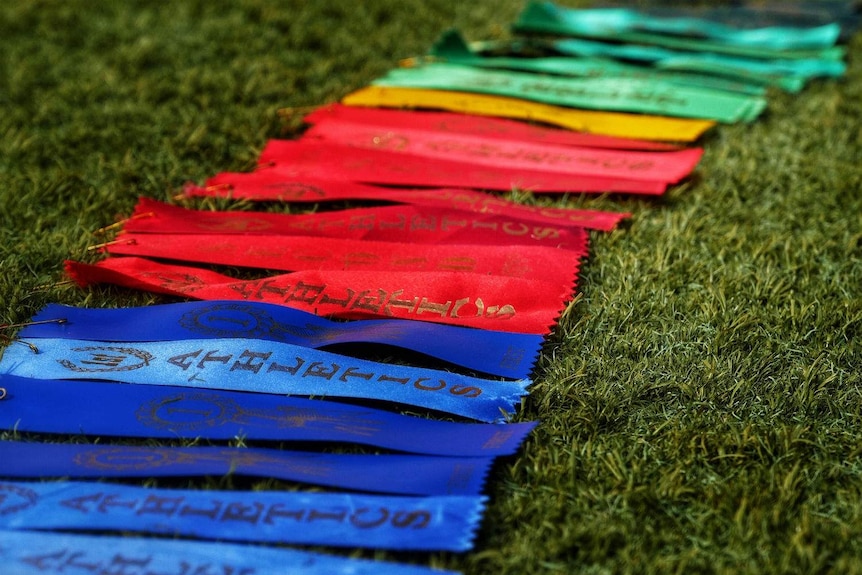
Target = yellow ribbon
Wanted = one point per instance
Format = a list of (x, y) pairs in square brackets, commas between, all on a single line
[(638, 126)]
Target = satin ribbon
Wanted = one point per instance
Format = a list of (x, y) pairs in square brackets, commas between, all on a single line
[(164, 412), (757, 14), (38, 553), (452, 48), (691, 34), (271, 185), (628, 94), (405, 223), (396, 474), (617, 124), (789, 75), (499, 152), (298, 253), (473, 125), (311, 158), (454, 298), (264, 367), (494, 352), (439, 523)]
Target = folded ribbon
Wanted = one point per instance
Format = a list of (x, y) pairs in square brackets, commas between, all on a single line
[(472, 300), (690, 34), (271, 185), (452, 48), (264, 367), (494, 352), (789, 75), (627, 94), (406, 223), (618, 124), (500, 152), (310, 158), (165, 412), (473, 125), (437, 523), (297, 253), (39, 553), (397, 474), (758, 14)]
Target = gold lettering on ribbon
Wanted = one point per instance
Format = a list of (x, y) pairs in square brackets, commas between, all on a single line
[(14, 498), (101, 359), (189, 412)]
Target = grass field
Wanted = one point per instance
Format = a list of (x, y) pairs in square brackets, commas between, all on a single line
[(700, 405)]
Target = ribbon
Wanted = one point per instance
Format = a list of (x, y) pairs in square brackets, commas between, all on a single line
[(121, 410), (264, 367), (472, 125), (494, 352), (28, 553), (455, 298), (617, 124), (397, 474), (439, 523), (297, 253), (627, 94), (309, 158), (405, 223), (789, 75), (757, 14), (271, 185), (497, 152), (452, 48), (691, 34)]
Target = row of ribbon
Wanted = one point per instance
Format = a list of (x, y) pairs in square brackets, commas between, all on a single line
[(410, 326)]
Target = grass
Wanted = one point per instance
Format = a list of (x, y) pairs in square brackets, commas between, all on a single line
[(700, 406)]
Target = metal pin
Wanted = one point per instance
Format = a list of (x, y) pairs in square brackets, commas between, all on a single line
[(113, 243), (219, 187), (26, 323), (115, 225), (32, 347)]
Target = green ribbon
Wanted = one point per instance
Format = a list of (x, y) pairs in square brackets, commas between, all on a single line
[(452, 48), (787, 74), (621, 25), (617, 94)]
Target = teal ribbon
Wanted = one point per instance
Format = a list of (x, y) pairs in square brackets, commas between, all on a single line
[(692, 34), (624, 95), (452, 48), (787, 74)]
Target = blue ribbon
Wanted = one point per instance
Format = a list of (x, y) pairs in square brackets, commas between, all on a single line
[(267, 367), (33, 553), (442, 523), (112, 409), (505, 354), (398, 474)]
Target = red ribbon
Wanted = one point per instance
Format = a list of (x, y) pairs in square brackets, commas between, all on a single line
[(307, 159), (296, 253), (467, 124), (270, 185), (412, 224), (514, 155), (516, 305)]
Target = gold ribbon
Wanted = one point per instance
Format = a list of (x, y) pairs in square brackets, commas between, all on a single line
[(638, 126)]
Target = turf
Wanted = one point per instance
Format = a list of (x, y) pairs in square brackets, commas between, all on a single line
[(699, 404)]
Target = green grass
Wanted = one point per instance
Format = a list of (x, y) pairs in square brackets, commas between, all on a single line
[(700, 406)]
